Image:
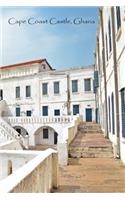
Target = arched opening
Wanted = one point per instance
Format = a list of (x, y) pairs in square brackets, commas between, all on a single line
[(10, 170), (46, 135), (21, 131)]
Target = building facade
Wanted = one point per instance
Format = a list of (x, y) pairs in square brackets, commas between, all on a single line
[(33, 90), (109, 67)]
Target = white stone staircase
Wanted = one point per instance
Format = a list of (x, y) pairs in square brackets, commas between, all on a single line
[(90, 143), (9, 133)]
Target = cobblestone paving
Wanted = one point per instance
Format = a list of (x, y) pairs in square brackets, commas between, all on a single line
[(92, 175)]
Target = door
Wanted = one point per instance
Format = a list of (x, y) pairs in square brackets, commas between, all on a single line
[(55, 138), (96, 115), (88, 114)]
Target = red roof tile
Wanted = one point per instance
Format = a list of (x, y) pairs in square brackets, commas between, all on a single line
[(25, 63)]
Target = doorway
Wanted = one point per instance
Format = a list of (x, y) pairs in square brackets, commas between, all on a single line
[(88, 115), (55, 137)]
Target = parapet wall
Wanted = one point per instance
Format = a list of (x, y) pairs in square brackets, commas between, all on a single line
[(11, 145), (39, 175)]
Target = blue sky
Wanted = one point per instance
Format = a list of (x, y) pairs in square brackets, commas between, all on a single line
[(63, 45)]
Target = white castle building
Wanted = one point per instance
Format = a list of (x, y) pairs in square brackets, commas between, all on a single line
[(110, 66), (40, 103)]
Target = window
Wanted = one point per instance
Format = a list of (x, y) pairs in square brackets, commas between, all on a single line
[(57, 112), (28, 91), (96, 79), (56, 87), (118, 17), (45, 88), (17, 111), (45, 110), (45, 133), (109, 114), (74, 85), (75, 109), (87, 84), (28, 113), (109, 31), (113, 114), (123, 111), (18, 92), (1, 95), (106, 47)]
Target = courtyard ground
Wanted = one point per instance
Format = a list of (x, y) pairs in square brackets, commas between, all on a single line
[(92, 175)]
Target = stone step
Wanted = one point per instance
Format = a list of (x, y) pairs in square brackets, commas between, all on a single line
[(87, 154), (89, 131), (90, 143), (91, 148), (89, 125), (89, 128)]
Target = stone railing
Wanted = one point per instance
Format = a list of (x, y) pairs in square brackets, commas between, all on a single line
[(38, 175), (68, 134), (11, 145), (10, 133), (73, 129), (41, 120)]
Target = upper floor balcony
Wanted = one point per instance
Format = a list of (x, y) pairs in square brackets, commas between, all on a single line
[(42, 120)]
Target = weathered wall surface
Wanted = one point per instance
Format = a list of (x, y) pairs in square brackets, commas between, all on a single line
[(38, 175)]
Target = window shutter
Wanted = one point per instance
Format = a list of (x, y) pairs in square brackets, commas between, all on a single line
[(113, 116), (123, 111), (96, 79)]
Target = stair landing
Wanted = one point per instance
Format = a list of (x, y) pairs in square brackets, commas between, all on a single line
[(92, 175)]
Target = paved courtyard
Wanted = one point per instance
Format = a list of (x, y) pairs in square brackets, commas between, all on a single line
[(92, 175)]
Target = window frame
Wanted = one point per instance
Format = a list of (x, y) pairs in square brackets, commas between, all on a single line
[(55, 112), (27, 113), (58, 88), (28, 93), (18, 115), (113, 114), (46, 112), (44, 89), (110, 35), (123, 112), (45, 134), (74, 111), (90, 87), (118, 17), (74, 88), (17, 87)]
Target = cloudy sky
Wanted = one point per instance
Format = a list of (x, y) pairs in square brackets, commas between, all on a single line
[(29, 33)]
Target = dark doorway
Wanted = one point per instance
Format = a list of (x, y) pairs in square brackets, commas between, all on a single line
[(96, 115), (55, 137)]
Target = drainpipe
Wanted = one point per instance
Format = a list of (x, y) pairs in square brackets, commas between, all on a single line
[(116, 82), (104, 71), (68, 95)]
